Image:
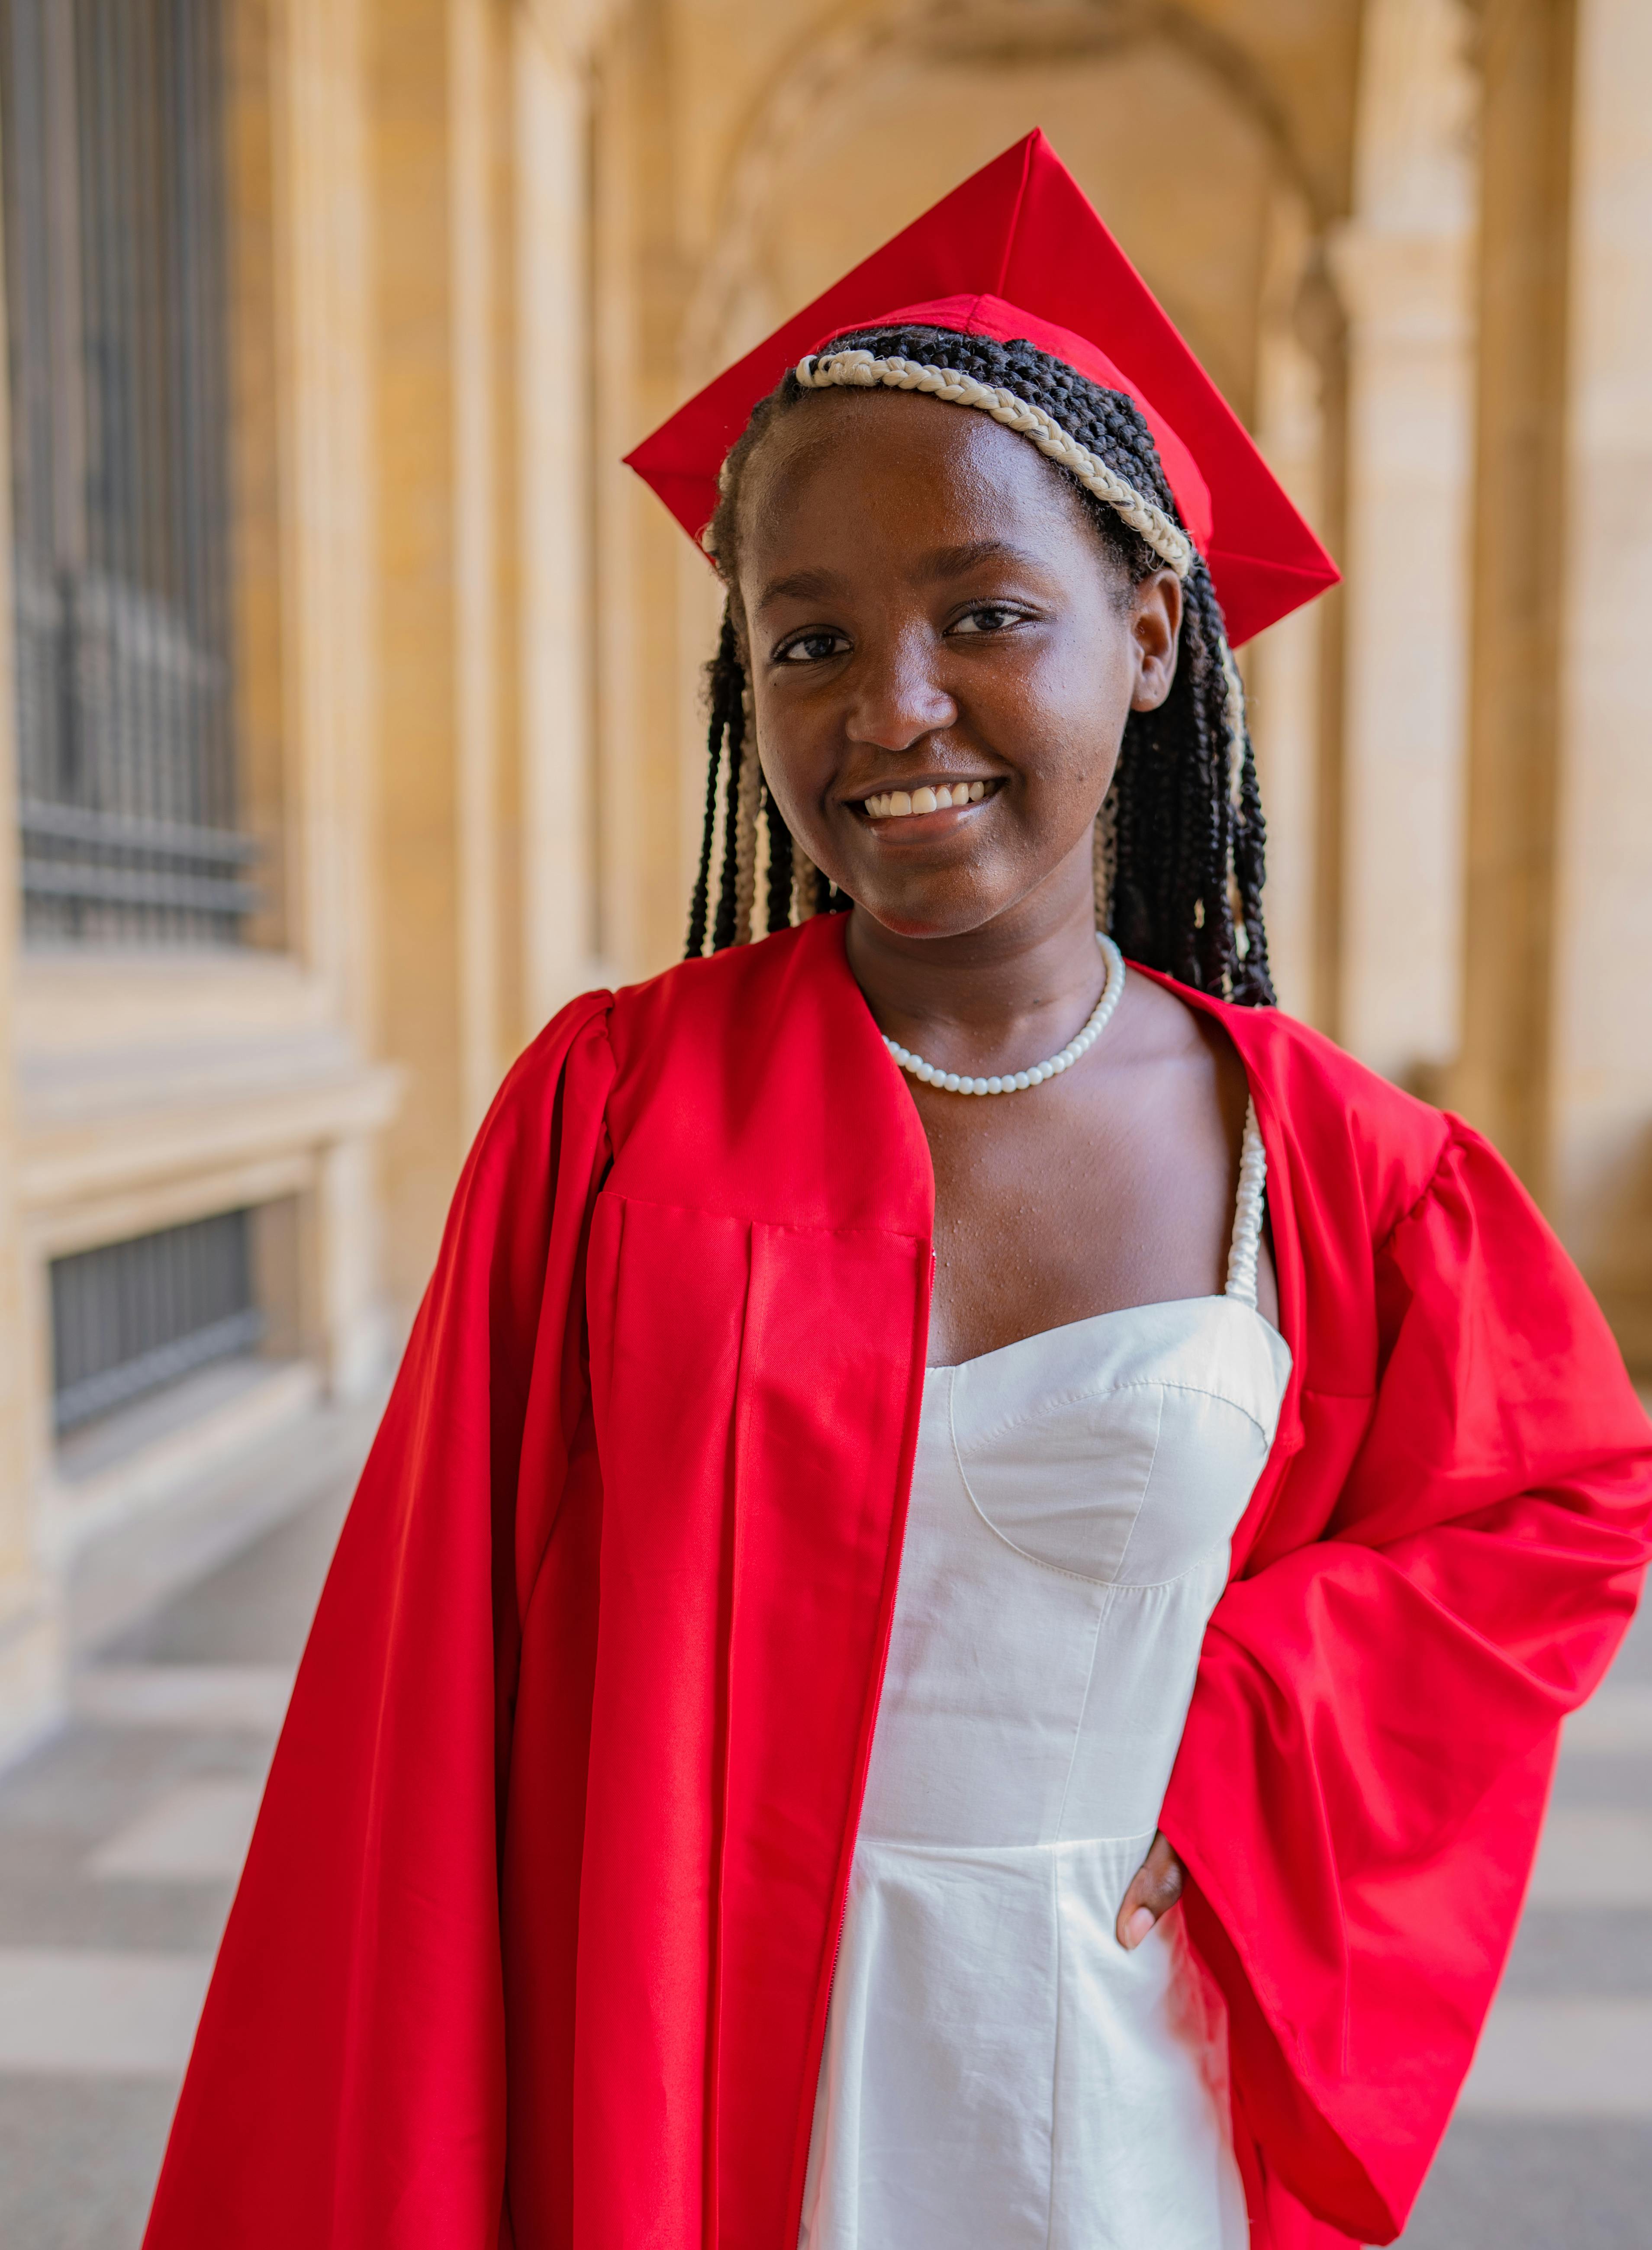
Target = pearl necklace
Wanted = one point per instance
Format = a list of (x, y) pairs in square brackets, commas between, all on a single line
[(1017, 1081)]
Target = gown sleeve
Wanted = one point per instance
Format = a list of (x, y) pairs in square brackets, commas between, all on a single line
[(1367, 1761), (347, 2084)]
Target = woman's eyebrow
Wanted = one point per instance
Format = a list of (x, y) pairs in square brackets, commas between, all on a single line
[(941, 563), (955, 561), (798, 586)]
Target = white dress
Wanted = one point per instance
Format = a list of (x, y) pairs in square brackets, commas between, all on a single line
[(999, 2073)]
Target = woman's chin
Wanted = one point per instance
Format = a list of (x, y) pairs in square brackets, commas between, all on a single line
[(922, 912)]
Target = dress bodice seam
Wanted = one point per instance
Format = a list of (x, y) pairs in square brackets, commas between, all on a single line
[(1115, 1589), (1098, 1624), (1079, 1578), (1091, 1320), (1053, 1400)]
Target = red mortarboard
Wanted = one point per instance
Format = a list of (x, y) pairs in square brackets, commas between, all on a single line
[(1016, 252)]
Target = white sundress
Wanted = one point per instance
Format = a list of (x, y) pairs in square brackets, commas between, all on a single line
[(999, 2073)]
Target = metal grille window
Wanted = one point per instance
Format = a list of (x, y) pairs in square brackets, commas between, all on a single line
[(113, 126), (131, 1316)]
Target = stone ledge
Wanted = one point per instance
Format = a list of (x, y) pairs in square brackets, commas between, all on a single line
[(94, 1128), (166, 1534)]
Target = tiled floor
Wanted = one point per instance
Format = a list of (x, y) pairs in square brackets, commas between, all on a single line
[(1551, 2149), (121, 1840), (120, 1845)]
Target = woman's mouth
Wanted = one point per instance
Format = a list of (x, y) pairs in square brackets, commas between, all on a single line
[(901, 803)]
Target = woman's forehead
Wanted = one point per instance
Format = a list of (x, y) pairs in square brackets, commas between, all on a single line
[(890, 458)]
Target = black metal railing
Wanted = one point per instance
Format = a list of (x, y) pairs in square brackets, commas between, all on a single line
[(114, 186), (130, 1317)]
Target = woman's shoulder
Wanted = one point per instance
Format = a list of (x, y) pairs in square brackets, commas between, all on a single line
[(1363, 1149), (710, 987), (572, 1049), (1297, 1060), (694, 1004), (700, 1013)]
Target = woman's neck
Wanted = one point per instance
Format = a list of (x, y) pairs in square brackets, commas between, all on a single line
[(1032, 974)]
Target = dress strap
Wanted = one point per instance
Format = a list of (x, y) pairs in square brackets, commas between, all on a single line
[(1248, 1215)]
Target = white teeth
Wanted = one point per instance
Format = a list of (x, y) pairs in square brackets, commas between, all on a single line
[(896, 804)]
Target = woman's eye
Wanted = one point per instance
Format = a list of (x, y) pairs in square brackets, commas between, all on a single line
[(811, 648), (987, 617)]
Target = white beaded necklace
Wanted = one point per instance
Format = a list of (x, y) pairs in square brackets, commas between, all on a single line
[(1017, 1081)]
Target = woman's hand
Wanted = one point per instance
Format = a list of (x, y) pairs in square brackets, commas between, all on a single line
[(1155, 1887)]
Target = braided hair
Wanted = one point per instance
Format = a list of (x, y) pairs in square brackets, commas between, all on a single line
[(1179, 841)]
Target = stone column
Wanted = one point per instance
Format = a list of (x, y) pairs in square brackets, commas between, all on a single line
[(653, 587), (324, 239), (440, 75), (1286, 668), (479, 148), (31, 1638), (557, 804), (1521, 507), (421, 819), (325, 705), (1404, 266), (1600, 1098), (482, 389)]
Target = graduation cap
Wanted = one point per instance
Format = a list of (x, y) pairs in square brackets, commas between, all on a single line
[(1016, 252)]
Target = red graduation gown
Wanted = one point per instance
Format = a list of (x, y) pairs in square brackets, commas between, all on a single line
[(535, 1941)]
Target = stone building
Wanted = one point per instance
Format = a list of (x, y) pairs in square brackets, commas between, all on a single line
[(351, 684)]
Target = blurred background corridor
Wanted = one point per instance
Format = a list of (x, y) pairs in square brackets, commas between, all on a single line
[(349, 708)]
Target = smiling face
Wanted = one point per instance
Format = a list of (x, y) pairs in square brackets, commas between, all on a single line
[(942, 652)]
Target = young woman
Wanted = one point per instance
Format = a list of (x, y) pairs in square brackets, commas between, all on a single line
[(878, 1510)]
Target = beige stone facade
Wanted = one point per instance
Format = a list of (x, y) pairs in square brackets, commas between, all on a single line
[(481, 246)]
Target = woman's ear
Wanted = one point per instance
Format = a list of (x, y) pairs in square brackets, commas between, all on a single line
[(1155, 625)]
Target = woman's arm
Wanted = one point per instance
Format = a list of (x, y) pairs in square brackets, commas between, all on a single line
[(1365, 1762), (350, 2066)]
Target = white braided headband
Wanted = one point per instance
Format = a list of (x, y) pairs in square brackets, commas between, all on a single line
[(861, 371)]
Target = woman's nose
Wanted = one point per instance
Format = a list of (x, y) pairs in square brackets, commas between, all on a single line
[(898, 700)]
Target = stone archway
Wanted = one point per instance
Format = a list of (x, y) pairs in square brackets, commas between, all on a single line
[(875, 116)]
